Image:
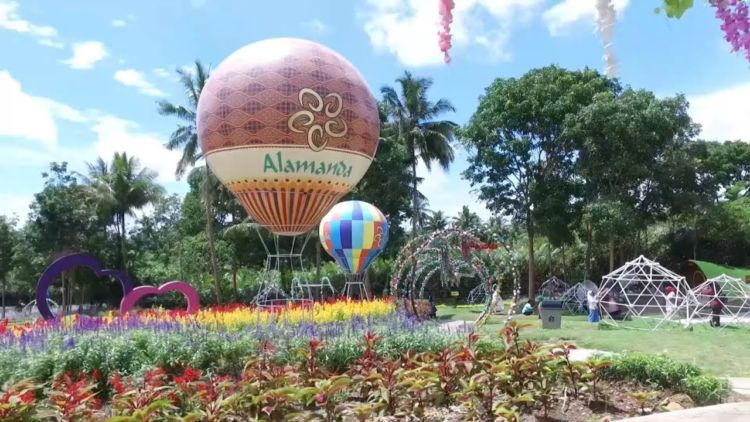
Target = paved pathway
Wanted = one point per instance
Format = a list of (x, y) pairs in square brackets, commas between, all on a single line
[(730, 412)]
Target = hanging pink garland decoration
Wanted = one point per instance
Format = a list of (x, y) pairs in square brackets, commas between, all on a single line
[(446, 18), (735, 23)]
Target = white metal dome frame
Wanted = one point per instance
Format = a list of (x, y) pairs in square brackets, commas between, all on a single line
[(637, 291), (553, 288), (575, 299), (733, 294)]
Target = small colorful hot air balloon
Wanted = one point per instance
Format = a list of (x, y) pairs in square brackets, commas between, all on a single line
[(289, 126), (354, 233)]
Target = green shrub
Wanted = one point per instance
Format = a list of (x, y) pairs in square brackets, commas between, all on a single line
[(664, 372)]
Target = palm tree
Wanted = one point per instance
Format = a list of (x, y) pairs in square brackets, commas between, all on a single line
[(119, 188), (467, 220), (412, 115), (186, 138), (436, 221)]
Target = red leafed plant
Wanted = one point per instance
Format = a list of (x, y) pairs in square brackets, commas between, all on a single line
[(18, 402), (73, 397)]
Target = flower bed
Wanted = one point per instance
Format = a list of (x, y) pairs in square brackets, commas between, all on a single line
[(217, 339), (460, 381)]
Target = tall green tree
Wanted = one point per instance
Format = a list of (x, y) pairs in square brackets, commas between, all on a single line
[(413, 119), (185, 137), (436, 220), (517, 141), (7, 235), (383, 184), (629, 155), (63, 219), (119, 188), (467, 220)]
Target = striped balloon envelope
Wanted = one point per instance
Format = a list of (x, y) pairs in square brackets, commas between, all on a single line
[(354, 233)]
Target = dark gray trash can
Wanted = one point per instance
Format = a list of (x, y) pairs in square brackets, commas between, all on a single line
[(551, 313)]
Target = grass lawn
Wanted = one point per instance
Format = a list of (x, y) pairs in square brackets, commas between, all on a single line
[(724, 352)]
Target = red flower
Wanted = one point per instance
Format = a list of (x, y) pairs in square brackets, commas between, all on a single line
[(116, 382), (27, 397)]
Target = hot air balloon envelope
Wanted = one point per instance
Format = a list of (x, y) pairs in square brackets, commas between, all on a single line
[(289, 126), (354, 233)]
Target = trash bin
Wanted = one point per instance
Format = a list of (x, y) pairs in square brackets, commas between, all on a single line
[(551, 313)]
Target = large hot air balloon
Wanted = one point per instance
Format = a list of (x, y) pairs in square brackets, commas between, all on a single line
[(354, 233), (289, 126)]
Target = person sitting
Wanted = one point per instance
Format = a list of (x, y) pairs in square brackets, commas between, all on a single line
[(613, 308), (527, 309)]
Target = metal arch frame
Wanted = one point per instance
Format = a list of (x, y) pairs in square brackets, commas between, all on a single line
[(574, 299), (732, 312), (643, 279)]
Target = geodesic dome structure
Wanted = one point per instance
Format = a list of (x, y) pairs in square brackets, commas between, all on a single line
[(639, 291), (729, 295), (553, 288), (574, 299), (480, 294)]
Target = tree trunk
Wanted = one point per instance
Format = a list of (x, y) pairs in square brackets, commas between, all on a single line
[(123, 253), (415, 212), (532, 265), (211, 250), (588, 250), (562, 253), (234, 281), (317, 261), (611, 254), (3, 301), (414, 198), (64, 294)]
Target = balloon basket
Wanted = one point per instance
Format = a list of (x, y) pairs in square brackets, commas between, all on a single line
[(355, 287)]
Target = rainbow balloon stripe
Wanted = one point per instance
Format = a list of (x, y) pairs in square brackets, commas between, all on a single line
[(354, 233)]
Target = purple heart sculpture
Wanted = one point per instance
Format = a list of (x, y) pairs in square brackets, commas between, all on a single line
[(193, 301), (69, 262)]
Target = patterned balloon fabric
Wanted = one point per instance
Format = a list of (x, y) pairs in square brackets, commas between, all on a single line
[(354, 233), (289, 127)]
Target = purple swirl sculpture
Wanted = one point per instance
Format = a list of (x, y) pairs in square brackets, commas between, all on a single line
[(130, 295), (69, 262)]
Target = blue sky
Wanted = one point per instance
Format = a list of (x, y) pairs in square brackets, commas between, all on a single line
[(79, 79)]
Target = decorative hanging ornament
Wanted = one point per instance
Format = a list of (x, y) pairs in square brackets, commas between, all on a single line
[(289, 126), (446, 18), (605, 22)]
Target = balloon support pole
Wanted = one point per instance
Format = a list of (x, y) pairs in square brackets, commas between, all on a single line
[(356, 282), (271, 292)]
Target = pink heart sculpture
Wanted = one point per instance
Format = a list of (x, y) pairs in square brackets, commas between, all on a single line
[(130, 299)]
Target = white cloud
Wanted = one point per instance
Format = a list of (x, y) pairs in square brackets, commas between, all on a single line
[(86, 55), (135, 79), (117, 135), (448, 191), (15, 205), (569, 12), (119, 23), (162, 72), (34, 118), (10, 20), (408, 28), (316, 25), (723, 114)]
